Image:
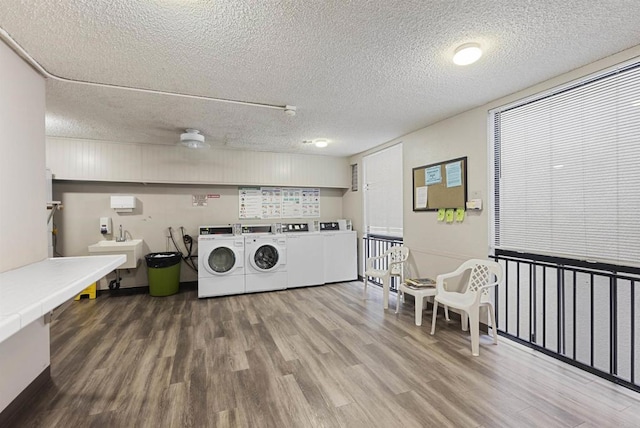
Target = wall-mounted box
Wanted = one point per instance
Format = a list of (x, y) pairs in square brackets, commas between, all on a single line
[(123, 204), (474, 204)]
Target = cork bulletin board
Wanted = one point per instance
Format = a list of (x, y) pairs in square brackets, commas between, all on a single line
[(440, 185)]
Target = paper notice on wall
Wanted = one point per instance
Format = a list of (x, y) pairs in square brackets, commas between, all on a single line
[(271, 202), (432, 175), (421, 197), (250, 202), (454, 174), (199, 200), (278, 202), (291, 202), (310, 203)]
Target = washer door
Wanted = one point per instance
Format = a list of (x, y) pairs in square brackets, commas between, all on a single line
[(221, 261), (265, 258)]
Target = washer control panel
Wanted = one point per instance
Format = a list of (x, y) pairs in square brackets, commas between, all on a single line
[(295, 227)]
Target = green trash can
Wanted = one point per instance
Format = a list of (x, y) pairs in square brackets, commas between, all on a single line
[(163, 270)]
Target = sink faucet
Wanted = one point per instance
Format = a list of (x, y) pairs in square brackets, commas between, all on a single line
[(121, 237)]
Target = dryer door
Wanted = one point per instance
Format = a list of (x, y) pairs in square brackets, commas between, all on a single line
[(265, 257), (221, 261)]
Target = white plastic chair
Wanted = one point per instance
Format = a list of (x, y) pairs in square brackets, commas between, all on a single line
[(469, 300), (396, 257)]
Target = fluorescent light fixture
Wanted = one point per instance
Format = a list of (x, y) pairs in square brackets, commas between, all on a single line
[(467, 54), (321, 143)]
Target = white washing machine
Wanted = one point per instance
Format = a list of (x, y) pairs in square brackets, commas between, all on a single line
[(266, 261), (305, 255), (221, 262)]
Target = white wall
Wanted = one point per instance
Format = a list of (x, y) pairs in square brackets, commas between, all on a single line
[(159, 207), (73, 159), (23, 214), (23, 211), (439, 247)]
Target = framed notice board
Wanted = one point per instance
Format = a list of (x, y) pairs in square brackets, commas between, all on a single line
[(440, 185)]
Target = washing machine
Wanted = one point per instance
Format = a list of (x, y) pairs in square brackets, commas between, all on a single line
[(305, 255), (221, 262), (266, 259)]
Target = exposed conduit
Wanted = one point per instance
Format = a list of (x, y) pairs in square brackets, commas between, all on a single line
[(40, 69)]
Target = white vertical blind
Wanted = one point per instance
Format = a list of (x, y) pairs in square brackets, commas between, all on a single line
[(568, 171), (383, 192)]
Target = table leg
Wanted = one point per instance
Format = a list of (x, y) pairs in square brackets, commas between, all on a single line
[(419, 302)]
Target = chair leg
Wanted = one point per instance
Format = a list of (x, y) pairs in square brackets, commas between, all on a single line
[(433, 317), (400, 297), (419, 302), (386, 280), (494, 328), (364, 290), (446, 313), (464, 318), (474, 320)]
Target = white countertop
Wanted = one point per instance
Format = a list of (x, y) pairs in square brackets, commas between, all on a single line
[(32, 291)]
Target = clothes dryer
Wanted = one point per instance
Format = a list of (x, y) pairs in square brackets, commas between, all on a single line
[(221, 262), (266, 262), (340, 252)]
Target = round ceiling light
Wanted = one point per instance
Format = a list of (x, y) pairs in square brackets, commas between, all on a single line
[(193, 139), (321, 143), (467, 54)]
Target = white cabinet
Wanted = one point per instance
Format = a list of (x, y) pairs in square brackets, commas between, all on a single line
[(340, 256)]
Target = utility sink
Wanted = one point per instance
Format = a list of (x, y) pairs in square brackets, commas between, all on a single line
[(131, 248)]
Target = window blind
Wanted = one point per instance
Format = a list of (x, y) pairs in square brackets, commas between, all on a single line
[(383, 192), (567, 171)]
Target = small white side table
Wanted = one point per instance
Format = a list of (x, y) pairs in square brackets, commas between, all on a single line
[(419, 294)]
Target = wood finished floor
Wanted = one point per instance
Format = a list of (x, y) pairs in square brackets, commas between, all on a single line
[(312, 357)]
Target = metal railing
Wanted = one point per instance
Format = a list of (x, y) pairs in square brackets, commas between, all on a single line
[(582, 313), (374, 246)]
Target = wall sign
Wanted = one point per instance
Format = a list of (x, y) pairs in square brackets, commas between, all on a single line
[(278, 202)]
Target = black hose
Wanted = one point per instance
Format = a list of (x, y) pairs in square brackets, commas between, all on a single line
[(187, 259)]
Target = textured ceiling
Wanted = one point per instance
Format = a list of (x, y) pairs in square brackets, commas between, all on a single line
[(360, 72)]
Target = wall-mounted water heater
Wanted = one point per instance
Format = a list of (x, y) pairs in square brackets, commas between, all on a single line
[(123, 204)]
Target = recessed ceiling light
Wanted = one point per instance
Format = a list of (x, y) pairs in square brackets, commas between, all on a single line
[(321, 142), (467, 54)]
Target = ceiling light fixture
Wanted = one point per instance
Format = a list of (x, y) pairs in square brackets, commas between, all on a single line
[(193, 139), (467, 54), (321, 143)]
